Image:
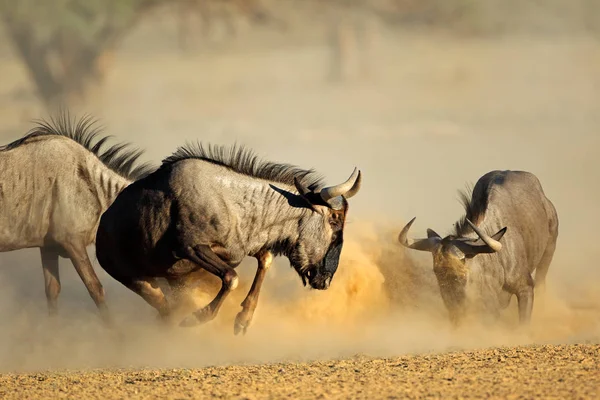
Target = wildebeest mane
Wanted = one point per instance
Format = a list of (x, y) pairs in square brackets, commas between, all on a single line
[(120, 157), (245, 161), (475, 202)]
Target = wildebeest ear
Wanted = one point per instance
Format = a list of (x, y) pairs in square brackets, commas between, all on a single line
[(498, 235), (432, 234), (305, 193), (303, 190)]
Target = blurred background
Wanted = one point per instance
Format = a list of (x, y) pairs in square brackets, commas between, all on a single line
[(424, 96)]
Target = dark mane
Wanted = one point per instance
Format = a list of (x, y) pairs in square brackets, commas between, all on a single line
[(120, 158), (475, 202), (244, 161)]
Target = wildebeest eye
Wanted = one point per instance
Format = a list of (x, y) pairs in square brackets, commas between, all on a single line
[(335, 220)]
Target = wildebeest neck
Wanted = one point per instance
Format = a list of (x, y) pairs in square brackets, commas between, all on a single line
[(103, 182), (271, 218)]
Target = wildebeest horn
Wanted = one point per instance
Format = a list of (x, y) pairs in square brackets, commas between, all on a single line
[(420, 244), (492, 243), (356, 187), (342, 189)]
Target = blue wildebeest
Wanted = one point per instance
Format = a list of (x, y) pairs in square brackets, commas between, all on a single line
[(55, 183), (513, 206), (210, 207)]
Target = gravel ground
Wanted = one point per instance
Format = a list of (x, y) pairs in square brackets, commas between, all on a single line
[(563, 371)]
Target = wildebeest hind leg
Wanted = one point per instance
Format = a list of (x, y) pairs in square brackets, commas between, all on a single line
[(51, 278), (205, 258), (84, 268), (244, 317), (149, 290), (542, 269), (180, 300)]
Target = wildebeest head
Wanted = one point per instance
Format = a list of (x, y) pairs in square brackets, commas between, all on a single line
[(316, 254), (450, 255)]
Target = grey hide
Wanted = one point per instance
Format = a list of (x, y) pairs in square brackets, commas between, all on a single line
[(471, 265), (55, 183), (208, 208)]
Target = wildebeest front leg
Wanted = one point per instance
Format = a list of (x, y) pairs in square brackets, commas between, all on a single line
[(84, 268), (51, 278), (204, 257), (244, 317), (525, 300)]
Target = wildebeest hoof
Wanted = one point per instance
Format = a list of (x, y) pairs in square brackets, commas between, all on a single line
[(197, 318), (242, 322), (237, 328), (117, 336), (189, 321)]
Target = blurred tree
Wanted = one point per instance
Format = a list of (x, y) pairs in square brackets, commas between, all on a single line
[(352, 28), (224, 11), (66, 45)]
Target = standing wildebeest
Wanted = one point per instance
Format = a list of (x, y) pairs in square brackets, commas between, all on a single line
[(211, 207), (472, 259), (55, 183)]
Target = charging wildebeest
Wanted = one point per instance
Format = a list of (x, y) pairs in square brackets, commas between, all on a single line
[(209, 207), (55, 183), (512, 204)]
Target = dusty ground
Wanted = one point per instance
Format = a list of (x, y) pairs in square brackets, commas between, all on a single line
[(563, 371)]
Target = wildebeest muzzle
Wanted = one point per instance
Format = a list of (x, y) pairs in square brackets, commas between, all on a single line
[(320, 276), (317, 278)]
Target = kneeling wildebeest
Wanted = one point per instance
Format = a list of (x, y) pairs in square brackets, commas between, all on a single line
[(55, 183), (512, 204), (209, 207)]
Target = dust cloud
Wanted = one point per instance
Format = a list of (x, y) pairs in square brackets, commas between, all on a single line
[(383, 303), (435, 111)]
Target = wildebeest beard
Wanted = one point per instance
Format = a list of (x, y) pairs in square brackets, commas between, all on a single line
[(320, 275), (453, 290)]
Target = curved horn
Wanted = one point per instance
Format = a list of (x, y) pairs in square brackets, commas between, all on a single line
[(472, 247), (354, 189), (492, 243), (420, 244), (329, 193)]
